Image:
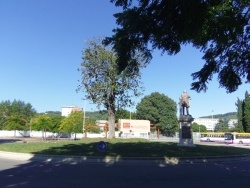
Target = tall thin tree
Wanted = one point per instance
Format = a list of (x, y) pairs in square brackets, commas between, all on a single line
[(239, 104), (246, 114), (103, 84)]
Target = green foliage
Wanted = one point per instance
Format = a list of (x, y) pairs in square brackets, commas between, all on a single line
[(52, 113), (243, 114), (46, 121), (160, 111), (226, 116), (102, 82), (198, 128), (73, 123), (221, 126), (122, 148), (239, 126), (124, 114), (56, 122), (15, 122), (246, 113), (100, 115), (42, 123), (220, 29), (15, 114), (90, 126)]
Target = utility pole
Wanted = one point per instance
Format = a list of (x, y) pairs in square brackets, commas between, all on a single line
[(213, 120), (84, 117)]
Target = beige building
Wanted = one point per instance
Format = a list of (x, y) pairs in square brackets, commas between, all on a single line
[(68, 109), (134, 128)]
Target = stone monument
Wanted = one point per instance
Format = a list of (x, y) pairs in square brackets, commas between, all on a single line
[(185, 120)]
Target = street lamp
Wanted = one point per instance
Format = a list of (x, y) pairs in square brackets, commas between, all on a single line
[(212, 121), (84, 117)]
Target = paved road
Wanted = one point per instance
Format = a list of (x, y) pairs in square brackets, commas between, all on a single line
[(128, 175)]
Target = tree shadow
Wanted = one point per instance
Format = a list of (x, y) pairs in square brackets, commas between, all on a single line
[(10, 140)]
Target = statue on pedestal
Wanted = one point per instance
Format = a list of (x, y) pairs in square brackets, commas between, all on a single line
[(184, 103), (185, 120)]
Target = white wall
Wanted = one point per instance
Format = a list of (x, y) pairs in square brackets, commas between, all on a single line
[(131, 128), (209, 123), (41, 134)]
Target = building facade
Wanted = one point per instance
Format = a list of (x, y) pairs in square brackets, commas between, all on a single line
[(210, 123), (232, 122), (68, 109), (134, 128)]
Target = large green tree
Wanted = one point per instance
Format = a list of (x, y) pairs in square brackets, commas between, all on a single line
[(220, 29), (160, 110), (56, 121), (198, 128), (221, 126), (246, 113), (103, 84), (42, 122), (239, 126), (16, 111), (73, 123)]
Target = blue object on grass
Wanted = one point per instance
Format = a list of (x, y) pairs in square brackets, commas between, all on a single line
[(101, 146)]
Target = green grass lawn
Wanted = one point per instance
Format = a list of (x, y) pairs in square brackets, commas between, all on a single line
[(120, 147)]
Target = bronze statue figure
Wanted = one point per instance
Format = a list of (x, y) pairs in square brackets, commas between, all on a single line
[(184, 103)]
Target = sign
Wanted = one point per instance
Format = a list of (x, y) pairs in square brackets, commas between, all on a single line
[(186, 132), (101, 146)]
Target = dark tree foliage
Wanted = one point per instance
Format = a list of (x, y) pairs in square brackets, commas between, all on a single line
[(198, 128), (15, 114), (124, 114), (160, 110), (220, 29), (99, 115), (243, 114), (246, 113), (221, 126), (239, 125), (103, 84)]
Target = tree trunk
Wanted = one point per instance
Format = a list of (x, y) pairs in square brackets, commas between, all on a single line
[(111, 120)]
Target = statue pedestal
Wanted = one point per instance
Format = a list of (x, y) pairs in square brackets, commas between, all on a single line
[(185, 132)]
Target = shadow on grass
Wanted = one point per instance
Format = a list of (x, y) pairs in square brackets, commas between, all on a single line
[(10, 140), (140, 149)]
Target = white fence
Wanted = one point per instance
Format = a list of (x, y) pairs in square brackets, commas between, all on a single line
[(42, 134)]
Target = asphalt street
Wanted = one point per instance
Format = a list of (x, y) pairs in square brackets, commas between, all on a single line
[(29, 173)]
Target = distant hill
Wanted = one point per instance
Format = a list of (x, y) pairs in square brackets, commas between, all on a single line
[(104, 116), (51, 113), (226, 116), (100, 115)]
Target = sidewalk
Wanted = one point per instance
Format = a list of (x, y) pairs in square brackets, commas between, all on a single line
[(121, 160)]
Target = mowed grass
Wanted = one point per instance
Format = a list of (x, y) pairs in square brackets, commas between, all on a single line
[(120, 147)]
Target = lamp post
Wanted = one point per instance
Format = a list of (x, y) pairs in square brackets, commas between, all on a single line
[(212, 121), (84, 117)]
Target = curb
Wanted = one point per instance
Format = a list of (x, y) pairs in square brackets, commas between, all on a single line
[(116, 160)]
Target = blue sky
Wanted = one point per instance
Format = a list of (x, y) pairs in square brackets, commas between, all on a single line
[(40, 50)]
